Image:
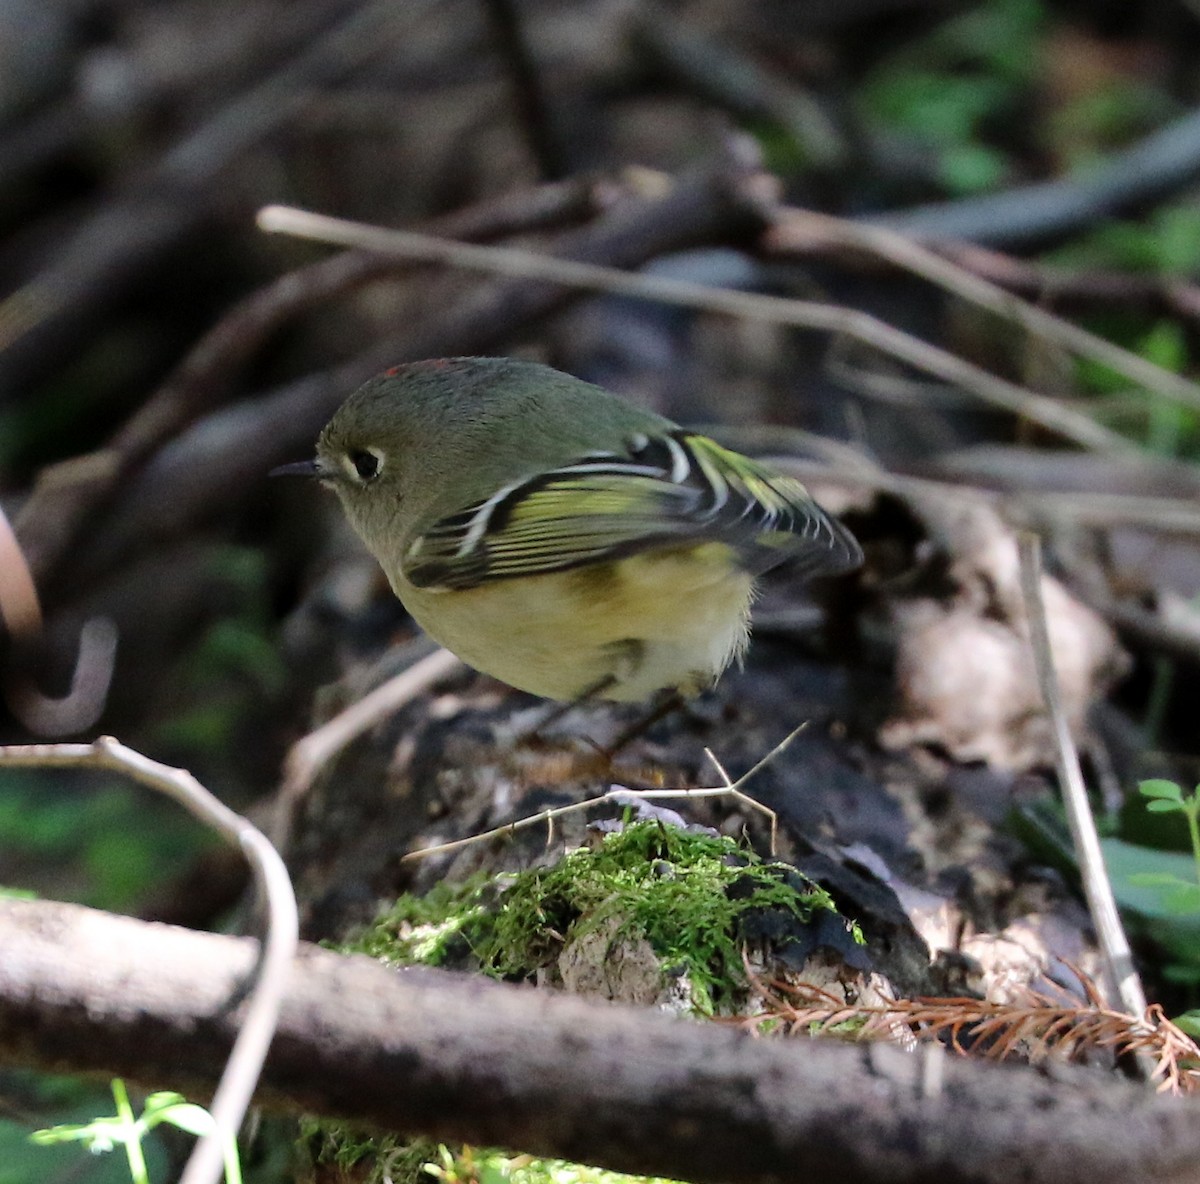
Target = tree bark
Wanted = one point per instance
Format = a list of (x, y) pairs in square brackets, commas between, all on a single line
[(458, 1058)]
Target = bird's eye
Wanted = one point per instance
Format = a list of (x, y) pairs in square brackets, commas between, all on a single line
[(366, 462)]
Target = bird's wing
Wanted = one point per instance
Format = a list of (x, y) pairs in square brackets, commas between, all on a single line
[(666, 489)]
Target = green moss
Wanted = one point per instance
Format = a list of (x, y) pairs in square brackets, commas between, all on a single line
[(430, 930), (689, 895), (495, 1167), (356, 1156), (367, 1157), (695, 898)]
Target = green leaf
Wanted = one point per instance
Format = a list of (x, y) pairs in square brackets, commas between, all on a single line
[(1166, 345), (1159, 787), (187, 1116), (1162, 807), (74, 1133), (1189, 1022), (972, 168), (1127, 863), (1155, 879), (1183, 899)]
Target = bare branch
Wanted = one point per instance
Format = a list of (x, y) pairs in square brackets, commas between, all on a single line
[(257, 1026), (793, 225), (309, 755), (460, 1058), (805, 314)]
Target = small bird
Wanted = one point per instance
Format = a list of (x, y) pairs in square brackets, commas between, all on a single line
[(557, 537)]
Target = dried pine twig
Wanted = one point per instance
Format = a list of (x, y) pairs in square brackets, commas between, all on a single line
[(1037, 1029)]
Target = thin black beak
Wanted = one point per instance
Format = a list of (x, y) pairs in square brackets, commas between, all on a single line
[(299, 468)]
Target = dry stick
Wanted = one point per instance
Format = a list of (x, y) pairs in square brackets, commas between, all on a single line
[(1147, 171), (1176, 639), (1022, 277), (538, 118), (1096, 886), (1160, 515), (852, 323), (460, 1058), (731, 787), (70, 493), (309, 755), (1039, 281), (244, 1067), (83, 704), (624, 796), (910, 255)]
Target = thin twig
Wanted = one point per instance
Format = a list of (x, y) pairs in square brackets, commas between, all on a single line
[(1096, 886), (829, 318), (735, 793), (1084, 507), (537, 115), (1159, 164), (70, 493), (912, 256), (309, 755), (621, 795), (264, 999)]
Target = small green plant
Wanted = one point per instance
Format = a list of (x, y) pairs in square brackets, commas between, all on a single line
[(126, 1130), (1179, 895)]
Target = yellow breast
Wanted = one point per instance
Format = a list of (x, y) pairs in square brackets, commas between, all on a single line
[(671, 618)]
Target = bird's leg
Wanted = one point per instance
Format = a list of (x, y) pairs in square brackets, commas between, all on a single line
[(668, 701), (560, 709)]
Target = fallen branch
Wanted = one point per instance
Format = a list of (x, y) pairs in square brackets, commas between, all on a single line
[(466, 1059), (797, 226), (1148, 171)]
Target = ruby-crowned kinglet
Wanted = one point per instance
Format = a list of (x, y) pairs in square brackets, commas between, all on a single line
[(557, 537)]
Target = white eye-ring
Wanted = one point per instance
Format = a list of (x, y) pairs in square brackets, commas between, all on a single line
[(364, 464)]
